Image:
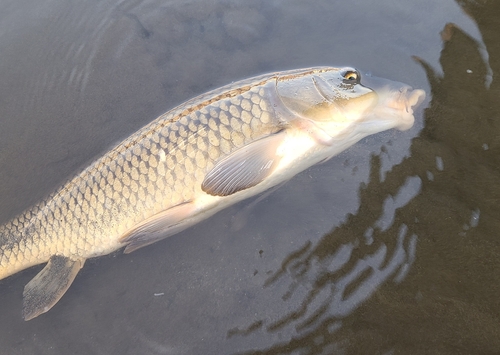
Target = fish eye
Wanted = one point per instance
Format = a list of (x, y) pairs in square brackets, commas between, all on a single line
[(351, 77)]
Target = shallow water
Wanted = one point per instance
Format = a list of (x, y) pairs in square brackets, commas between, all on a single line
[(389, 248)]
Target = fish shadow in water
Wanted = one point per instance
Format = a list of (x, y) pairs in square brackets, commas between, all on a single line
[(429, 276)]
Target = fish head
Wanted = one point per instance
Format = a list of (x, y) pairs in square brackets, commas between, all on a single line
[(341, 102)]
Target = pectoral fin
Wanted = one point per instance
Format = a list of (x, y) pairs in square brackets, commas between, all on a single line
[(159, 226), (244, 168), (49, 285)]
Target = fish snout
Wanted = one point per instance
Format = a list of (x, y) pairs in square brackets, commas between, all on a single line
[(396, 102), (404, 103), (408, 98)]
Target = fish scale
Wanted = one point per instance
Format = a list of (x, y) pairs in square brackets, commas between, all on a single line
[(191, 162), (134, 181)]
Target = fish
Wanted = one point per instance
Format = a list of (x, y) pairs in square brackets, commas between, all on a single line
[(193, 161)]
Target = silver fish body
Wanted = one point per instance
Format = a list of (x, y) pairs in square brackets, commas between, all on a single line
[(200, 157)]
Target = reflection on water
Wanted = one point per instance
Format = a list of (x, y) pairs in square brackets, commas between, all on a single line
[(430, 282), (412, 269)]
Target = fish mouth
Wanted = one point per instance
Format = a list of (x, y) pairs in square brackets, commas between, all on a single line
[(396, 102), (404, 104)]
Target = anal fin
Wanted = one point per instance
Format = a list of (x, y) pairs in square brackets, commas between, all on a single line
[(49, 285)]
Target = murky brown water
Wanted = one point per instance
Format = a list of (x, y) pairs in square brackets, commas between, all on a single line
[(390, 248)]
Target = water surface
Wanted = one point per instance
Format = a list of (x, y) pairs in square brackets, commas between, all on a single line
[(389, 248)]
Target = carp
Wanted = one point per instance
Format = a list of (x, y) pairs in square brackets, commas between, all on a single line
[(196, 159)]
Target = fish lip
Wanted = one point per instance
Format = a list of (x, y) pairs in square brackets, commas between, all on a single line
[(395, 107), (411, 99), (400, 106), (396, 101)]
